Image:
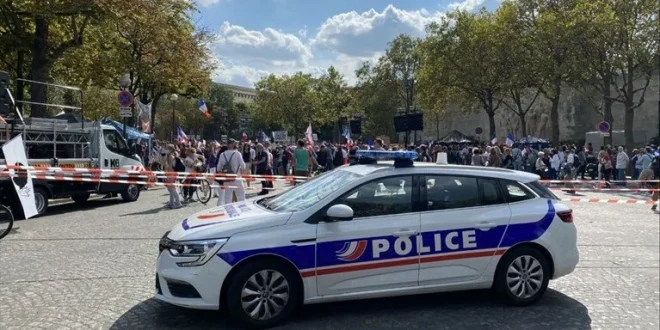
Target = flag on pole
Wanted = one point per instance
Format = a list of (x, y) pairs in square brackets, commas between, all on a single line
[(244, 136), (308, 135), (493, 141), (347, 135), (181, 136), (262, 136), (202, 107), (509, 140)]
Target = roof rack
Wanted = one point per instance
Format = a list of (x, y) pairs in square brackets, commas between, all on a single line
[(401, 158)]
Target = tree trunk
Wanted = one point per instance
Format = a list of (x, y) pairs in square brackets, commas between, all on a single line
[(523, 123), (554, 110), (491, 124), (20, 85), (40, 68), (629, 106), (437, 126), (154, 104), (607, 107)]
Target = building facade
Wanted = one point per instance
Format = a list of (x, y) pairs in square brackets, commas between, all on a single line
[(241, 94)]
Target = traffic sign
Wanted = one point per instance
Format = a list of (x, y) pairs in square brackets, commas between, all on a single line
[(479, 130), (125, 112), (604, 127), (125, 99)]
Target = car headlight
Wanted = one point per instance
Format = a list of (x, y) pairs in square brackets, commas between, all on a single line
[(197, 253)]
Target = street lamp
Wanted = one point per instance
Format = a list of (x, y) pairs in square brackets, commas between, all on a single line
[(173, 98), (124, 83)]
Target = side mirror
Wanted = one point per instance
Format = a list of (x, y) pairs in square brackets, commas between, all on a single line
[(339, 212)]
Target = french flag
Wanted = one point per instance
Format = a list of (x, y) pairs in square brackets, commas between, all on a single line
[(347, 135), (509, 140), (205, 110), (493, 141), (181, 136)]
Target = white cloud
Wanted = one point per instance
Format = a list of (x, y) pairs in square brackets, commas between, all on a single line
[(466, 5), (207, 3), (363, 34), (344, 41), (269, 46)]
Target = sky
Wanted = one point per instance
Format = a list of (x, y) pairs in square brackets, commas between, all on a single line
[(254, 38)]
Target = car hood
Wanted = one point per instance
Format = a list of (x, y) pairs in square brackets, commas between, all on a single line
[(224, 221)]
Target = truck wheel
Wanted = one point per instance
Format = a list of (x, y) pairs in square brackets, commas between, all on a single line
[(80, 198), (41, 200), (131, 193)]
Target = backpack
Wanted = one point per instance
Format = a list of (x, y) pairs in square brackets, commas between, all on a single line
[(655, 166), (226, 168), (178, 165)]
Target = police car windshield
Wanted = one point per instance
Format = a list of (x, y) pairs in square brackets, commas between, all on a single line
[(307, 194)]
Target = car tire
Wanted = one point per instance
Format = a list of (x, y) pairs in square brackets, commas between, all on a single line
[(258, 277), (522, 276), (80, 198), (131, 193), (41, 200)]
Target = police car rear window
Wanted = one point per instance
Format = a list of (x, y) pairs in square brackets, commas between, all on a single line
[(541, 190)]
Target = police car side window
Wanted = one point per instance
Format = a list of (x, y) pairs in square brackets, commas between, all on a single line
[(490, 192), (451, 192), (515, 192), (385, 196)]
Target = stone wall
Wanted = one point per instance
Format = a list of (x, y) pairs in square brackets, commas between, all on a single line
[(576, 117)]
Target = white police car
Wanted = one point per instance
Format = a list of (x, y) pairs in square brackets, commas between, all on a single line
[(368, 231)]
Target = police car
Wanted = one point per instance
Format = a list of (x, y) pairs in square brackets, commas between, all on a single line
[(367, 231)]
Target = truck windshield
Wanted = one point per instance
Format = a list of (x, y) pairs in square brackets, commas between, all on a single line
[(114, 142), (309, 193)]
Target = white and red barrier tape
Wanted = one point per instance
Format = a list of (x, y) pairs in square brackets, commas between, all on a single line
[(598, 181), (136, 173), (608, 201), (606, 189)]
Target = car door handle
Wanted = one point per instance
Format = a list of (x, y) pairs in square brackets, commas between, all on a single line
[(405, 232), (485, 225)]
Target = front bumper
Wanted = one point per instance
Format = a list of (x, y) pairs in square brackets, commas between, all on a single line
[(190, 287)]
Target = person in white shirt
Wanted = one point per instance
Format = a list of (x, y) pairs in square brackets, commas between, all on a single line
[(622, 161), (231, 162)]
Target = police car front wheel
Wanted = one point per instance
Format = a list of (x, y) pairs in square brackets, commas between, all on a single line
[(522, 276), (263, 294)]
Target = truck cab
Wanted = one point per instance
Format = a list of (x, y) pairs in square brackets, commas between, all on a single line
[(57, 143)]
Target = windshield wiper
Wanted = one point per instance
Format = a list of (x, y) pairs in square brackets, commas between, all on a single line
[(264, 202)]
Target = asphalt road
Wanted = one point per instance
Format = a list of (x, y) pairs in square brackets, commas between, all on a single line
[(92, 267)]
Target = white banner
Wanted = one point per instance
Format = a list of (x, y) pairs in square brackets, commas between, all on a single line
[(280, 136), (14, 151)]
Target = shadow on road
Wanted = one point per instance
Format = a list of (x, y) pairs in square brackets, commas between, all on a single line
[(89, 205), (457, 310)]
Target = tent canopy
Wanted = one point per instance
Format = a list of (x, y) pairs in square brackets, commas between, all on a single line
[(532, 139), (455, 137), (132, 133)]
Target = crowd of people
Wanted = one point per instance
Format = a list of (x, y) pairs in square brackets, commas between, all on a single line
[(566, 162)]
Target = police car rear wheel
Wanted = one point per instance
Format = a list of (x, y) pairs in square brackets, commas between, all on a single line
[(522, 276), (263, 294)]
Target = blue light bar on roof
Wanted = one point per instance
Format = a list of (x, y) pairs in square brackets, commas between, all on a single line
[(381, 154)]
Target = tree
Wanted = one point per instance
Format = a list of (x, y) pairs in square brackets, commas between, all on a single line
[(333, 96), (524, 82), (373, 98), (552, 42), (289, 101), (463, 56)]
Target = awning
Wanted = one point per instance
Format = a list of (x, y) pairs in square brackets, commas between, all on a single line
[(131, 133)]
